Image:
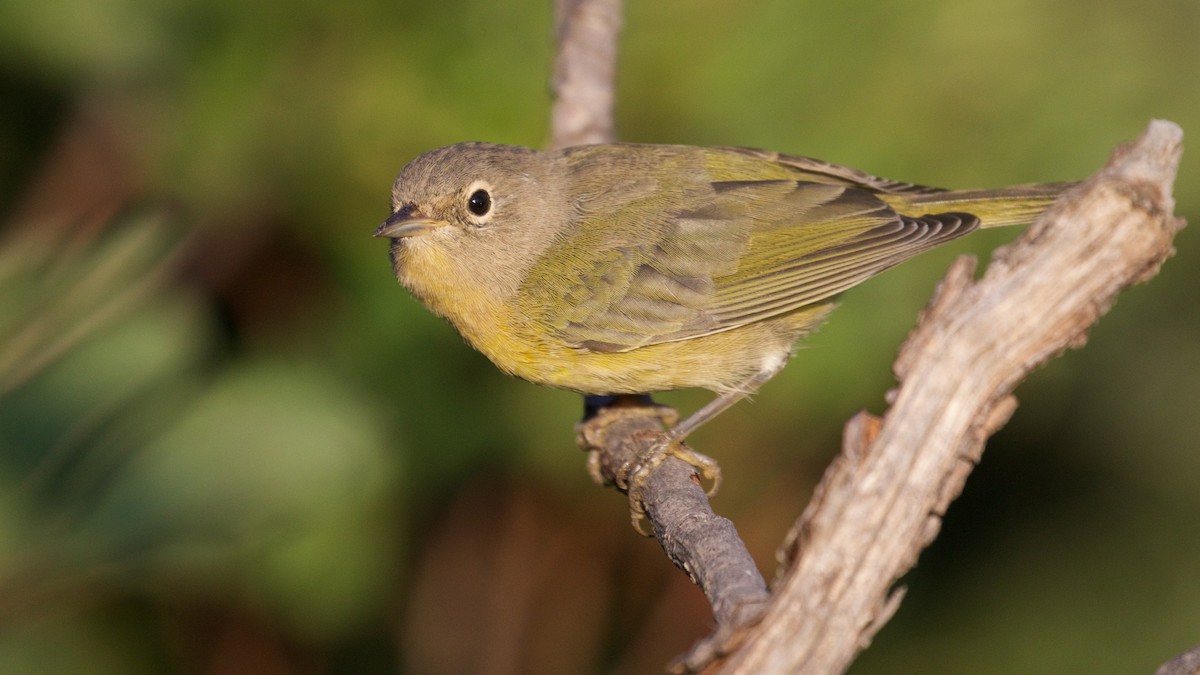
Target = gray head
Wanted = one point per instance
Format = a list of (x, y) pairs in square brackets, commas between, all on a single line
[(483, 211)]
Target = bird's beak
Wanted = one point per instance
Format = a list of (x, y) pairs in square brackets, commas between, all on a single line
[(408, 222)]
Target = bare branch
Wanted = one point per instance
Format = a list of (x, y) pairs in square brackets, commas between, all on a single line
[(1187, 663), (701, 543), (881, 502), (585, 70)]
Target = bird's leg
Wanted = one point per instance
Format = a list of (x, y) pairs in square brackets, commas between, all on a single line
[(600, 410), (715, 407), (673, 446)]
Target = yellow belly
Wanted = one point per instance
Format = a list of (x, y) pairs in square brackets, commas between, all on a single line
[(719, 362)]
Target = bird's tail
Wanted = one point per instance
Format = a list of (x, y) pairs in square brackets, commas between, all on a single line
[(1016, 205)]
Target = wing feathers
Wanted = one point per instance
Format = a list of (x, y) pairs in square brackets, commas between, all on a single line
[(706, 257), (825, 273)]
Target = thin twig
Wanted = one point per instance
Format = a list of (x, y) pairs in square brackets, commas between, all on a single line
[(585, 70), (703, 544)]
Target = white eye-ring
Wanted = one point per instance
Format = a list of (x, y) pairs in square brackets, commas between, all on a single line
[(480, 202)]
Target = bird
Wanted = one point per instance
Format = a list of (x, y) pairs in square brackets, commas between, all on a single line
[(631, 268)]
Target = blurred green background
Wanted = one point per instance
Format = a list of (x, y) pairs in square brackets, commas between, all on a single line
[(229, 442)]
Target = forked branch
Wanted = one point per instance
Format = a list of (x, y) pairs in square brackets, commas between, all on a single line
[(881, 501)]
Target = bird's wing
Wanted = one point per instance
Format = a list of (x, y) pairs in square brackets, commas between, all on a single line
[(636, 270), (675, 265), (807, 168), (846, 236)]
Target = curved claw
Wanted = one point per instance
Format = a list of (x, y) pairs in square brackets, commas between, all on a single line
[(705, 466)]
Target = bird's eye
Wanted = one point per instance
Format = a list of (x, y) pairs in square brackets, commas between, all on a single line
[(479, 203)]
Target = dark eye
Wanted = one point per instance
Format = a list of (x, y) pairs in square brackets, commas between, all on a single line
[(479, 203)]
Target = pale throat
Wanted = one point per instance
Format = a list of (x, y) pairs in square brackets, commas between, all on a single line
[(471, 297)]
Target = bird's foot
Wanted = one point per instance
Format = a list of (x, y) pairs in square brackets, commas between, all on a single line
[(649, 459), (626, 445)]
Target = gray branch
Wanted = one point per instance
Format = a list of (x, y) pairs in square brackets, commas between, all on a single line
[(585, 70), (706, 546), (881, 501)]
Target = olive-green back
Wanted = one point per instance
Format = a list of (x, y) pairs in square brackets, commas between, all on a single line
[(672, 243)]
